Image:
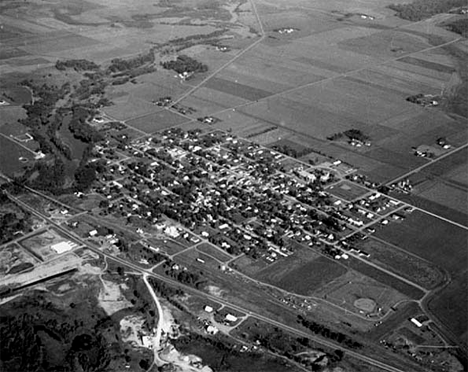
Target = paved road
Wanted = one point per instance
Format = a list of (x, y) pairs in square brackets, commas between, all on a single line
[(416, 170), (157, 338), (148, 273)]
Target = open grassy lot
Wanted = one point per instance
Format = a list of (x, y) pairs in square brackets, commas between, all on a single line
[(384, 278), (128, 108), (435, 240), (347, 190), (168, 246), (10, 154), (302, 273), (213, 251)]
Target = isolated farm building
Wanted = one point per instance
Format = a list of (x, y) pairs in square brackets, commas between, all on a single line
[(230, 318), (208, 309), (416, 322)]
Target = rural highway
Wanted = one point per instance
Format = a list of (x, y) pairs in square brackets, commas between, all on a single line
[(416, 170), (147, 273), (235, 58)]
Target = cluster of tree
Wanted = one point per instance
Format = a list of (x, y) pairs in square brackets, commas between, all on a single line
[(40, 111), (165, 291), (80, 128), (29, 344), (77, 65), (183, 64), (198, 37), (50, 176), (9, 224), (351, 134), (459, 26), (422, 9), (323, 331), (89, 88), (119, 65), (183, 276), (289, 151)]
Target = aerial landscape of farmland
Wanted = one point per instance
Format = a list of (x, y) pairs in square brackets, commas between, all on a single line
[(234, 185)]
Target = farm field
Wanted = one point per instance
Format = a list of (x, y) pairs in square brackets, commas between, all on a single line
[(441, 242), (447, 195), (434, 207), (402, 263), (450, 308), (156, 121), (311, 70)]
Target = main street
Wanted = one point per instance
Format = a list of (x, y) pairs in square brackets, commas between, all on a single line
[(148, 273)]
